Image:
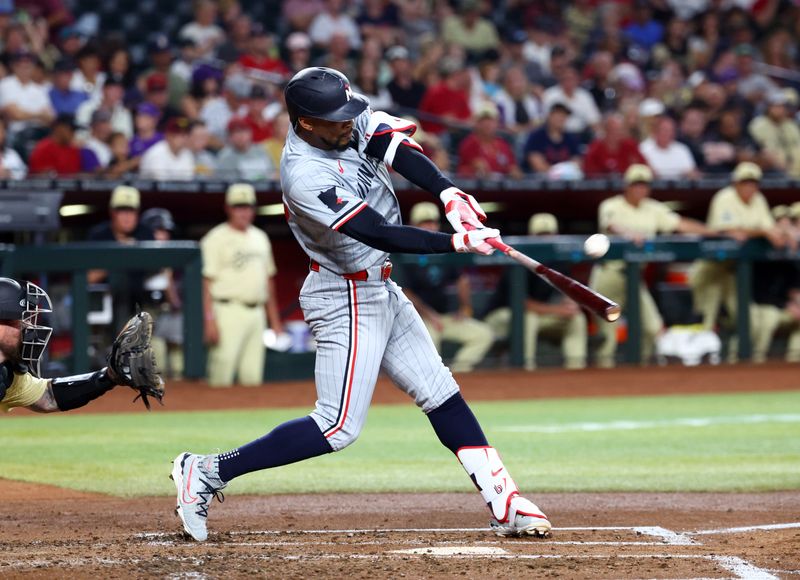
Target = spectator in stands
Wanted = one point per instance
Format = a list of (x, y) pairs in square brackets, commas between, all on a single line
[(298, 47), (425, 286), (58, 155), (378, 19), (261, 53), (218, 111), (11, 164), (100, 131), (337, 55), (112, 102), (637, 217), (778, 135), (603, 76), (159, 50), (274, 145), (520, 110), (551, 144), (170, 159), (448, 99), (88, 78), (118, 67), (205, 162), (64, 100), (203, 29), (644, 31), (366, 83), (205, 86), (238, 39), (406, 91), (258, 110), (157, 94), (70, 41), (333, 20), (121, 162), (300, 13), (693, 133), (750, 84), (742, 212), (180, 72), (547, 311), (54, 12), (23, 101), (469, 29), (483, 153), (147, 133), (729, 144), (585, 116), (668, 158), (613, 151), (241, 159)]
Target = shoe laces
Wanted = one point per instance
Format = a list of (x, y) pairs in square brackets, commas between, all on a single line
[(207, 495)]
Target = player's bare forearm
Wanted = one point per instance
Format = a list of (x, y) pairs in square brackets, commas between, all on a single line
[(47, 402), (690, 226)]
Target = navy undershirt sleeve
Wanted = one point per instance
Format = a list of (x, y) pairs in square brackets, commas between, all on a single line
[(371, 228), (411, 163)]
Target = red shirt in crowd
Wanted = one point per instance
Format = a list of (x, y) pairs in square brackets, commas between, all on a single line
[(50, 156), (498, 155), (274, 65), (600, 160), (444, 101), (262, 129)]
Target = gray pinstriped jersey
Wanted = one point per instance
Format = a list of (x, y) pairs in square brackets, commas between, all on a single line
[(322, 190)]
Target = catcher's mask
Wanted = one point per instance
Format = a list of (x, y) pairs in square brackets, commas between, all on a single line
[(26, 304)]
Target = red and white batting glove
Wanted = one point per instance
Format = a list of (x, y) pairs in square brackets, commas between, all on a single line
[(461, 208), (475, 241)]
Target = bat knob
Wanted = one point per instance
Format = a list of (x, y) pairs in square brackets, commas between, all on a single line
[(613, 313)]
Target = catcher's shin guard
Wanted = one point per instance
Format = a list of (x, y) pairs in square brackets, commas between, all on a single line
[(512, 515)]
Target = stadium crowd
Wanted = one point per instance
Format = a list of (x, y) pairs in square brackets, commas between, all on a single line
[(565, 89)]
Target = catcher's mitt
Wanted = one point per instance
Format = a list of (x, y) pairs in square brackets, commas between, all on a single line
[(132, 361)]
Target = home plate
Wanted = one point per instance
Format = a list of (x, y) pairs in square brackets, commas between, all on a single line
[(454, 551)]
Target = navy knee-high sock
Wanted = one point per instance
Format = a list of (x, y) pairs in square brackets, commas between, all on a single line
[(456, 426), (287, 443)]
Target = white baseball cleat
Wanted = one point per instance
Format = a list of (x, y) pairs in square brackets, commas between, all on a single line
[(524, 519), (197, 484)]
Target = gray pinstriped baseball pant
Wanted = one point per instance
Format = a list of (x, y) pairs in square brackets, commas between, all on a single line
[(361, 328)]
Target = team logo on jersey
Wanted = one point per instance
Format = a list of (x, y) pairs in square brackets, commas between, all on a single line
[(330, 198), (341, 169)]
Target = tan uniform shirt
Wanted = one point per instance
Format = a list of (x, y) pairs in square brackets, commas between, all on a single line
[(25, 390), (649, 218), (728, 211), (238, 263), (781, 140)]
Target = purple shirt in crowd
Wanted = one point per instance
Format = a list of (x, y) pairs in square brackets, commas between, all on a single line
[(139, 145)]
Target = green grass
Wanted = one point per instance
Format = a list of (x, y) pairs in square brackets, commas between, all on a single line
[(130, 454)]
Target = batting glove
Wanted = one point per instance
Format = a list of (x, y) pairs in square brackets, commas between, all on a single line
[(475, 241), (461, 208)]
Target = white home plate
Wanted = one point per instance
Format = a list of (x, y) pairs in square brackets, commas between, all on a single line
[(454, 551)]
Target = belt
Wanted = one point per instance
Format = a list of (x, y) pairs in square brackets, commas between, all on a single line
[(381, 272), (246, 304)]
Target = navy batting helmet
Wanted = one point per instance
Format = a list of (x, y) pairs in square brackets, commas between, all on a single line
[(322, 93)]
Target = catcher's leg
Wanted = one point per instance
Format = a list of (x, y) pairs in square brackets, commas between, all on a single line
[(414, 366)]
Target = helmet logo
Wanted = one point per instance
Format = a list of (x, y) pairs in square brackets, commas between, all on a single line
[(22, 302), (347, 92)]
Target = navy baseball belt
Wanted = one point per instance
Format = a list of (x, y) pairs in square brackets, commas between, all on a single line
[(377, 272)]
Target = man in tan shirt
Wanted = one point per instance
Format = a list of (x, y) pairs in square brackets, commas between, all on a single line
[(636, 216), (742, 212), (238, 292), (778, 135)]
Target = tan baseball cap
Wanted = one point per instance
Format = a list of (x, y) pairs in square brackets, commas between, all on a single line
[(794, 210), (240, 194), (125, 196), (424, 212), (780, 211), (542, 223), (746, 171), (638, 173)]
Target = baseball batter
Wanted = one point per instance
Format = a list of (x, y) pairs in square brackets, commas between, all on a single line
[(342, 209)]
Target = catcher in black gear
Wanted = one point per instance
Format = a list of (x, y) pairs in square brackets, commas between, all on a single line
[(24, 337)]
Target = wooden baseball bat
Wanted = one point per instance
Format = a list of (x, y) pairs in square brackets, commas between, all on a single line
[(593, 301)]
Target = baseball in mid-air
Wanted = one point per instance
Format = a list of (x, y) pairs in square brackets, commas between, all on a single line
[(596, 245)]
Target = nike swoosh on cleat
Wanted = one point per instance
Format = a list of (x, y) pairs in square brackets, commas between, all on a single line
[(186, 487), (496, 473)]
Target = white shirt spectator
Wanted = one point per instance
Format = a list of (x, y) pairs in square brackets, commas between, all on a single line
[(79, 83), (508, 109), (585, 113), (673, 161), (121, 117), (159, 162), (325, 25), (13, 163), (216, 114), (203, 36), (31, 98)]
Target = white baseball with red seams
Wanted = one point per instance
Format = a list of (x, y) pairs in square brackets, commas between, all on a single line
[(596, 245)]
